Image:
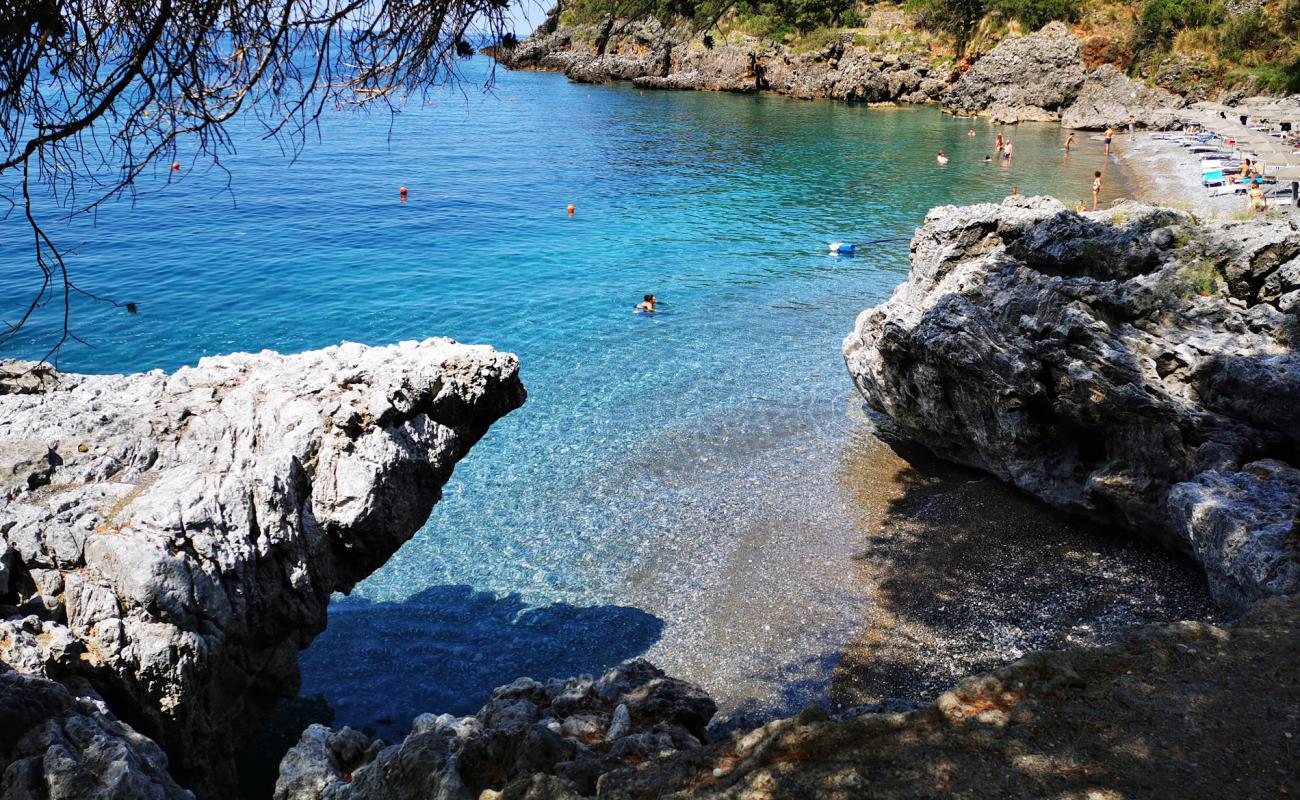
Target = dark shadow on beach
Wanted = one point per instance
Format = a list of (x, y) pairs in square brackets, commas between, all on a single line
[(446, 648), (968, 573)]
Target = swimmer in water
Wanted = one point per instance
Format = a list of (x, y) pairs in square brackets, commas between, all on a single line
[(988, 159), (648, 304), (1069, 141), (941, 158)]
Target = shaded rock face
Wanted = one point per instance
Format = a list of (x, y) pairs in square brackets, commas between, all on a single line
[(1109, 98), (551, 740), (54, 746), (1024, 78), (653, 57), (178, 541), (1134, 366)]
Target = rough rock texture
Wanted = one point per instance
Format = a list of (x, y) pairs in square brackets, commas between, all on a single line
[(1109, 98), (531, 740), (1024, 78), (1134, 366), (653, 57), (54, 746), (173, 540)]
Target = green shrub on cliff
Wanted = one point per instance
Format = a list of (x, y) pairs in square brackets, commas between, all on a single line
[(1161, 19), (1034, 14)]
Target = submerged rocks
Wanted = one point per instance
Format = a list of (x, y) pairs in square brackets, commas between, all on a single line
[(178, 542), (531, 740), (1132, 366), (1022, 79)]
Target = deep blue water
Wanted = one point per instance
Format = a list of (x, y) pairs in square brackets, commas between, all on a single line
[(671, 485)]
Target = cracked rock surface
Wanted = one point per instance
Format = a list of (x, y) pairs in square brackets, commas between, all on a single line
[(555, 739), (169, 542), (1134, 366)]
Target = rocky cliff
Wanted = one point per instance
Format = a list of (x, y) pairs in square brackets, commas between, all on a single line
[(1134, 366), (168, 543), (1039, 77)]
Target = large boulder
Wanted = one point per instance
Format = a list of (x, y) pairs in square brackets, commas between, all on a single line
[(54, 746), (552, 740), (1131, 365), (171, 542), (1024, 78), (1109, 98)]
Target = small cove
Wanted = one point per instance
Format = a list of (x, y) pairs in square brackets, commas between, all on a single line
[(680, 486)]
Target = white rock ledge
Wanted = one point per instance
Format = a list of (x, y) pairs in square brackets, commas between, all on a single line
[(170, 542)]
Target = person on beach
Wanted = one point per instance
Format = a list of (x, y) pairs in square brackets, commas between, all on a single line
[(941, 158), (1132, 123), (1110, 134), (1080, 207), (647, 305), (1255, 199), (1069, 142), (1096, 188), (1244, 174)]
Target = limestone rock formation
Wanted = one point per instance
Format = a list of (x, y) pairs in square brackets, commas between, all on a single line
[(1024, 78), (1134, 366), (531, 739), (652, 57), (1109, 97), (54, 746), (170, 542)]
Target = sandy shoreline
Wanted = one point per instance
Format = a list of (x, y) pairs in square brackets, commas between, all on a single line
[(1161, 172)]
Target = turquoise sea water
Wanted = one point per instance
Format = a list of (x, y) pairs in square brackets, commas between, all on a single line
[(670, 487)]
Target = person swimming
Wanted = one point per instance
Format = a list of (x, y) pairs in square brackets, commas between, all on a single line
[(647, 305), (988, 159), (941, 158)]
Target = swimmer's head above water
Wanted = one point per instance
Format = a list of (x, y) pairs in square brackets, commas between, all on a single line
[(647, 303)]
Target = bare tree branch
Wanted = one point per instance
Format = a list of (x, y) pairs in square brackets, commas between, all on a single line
[(93, 92)]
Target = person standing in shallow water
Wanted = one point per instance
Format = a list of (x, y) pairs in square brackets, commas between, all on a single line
[(1096, 188), (1069, 142), (1110, 134), (647, 305)]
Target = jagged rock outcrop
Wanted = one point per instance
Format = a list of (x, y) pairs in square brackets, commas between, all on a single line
[(54, 746), (1109, 98), (1134, 366), (1024, 78), (654, 57), (172, 541), (531, 739)]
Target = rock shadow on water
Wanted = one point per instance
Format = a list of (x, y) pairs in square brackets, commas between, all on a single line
[(444, 650)]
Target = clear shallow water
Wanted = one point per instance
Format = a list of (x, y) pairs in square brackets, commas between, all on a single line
[(672, 485)]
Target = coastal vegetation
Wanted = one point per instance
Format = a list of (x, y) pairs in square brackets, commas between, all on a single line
[(1254, 46)]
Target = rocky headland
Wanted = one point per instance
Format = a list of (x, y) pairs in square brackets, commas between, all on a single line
[(1133, 366), (1039, 77), (170, 542)]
